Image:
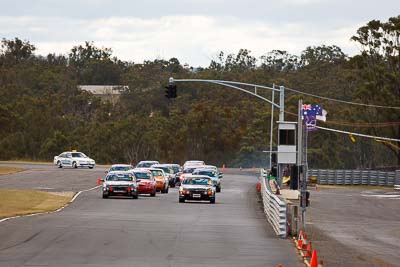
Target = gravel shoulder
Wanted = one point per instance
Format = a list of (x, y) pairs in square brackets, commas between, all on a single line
[(355, 227)]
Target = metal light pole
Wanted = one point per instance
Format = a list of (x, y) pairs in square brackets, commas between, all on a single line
[(272, 127), (302, 137)]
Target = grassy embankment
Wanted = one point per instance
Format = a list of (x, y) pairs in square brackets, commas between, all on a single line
[(21, 202)]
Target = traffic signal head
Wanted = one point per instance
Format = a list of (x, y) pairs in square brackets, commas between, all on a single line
[(173, 90), (170, 91), (167, 92)]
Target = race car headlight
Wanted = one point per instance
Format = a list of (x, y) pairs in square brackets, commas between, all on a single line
[(209, 192), (183, 191)]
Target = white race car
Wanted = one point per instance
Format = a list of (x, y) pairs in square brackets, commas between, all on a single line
[(74, 159)]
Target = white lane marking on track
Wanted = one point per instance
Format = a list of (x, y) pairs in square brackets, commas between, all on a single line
[(49, 212), (383, 196), (42, 188)]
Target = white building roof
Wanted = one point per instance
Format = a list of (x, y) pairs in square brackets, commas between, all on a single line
[(104, 89)]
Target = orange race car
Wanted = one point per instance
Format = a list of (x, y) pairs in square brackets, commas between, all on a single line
[(161, 180)]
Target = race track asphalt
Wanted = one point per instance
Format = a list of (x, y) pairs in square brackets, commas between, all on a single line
[(149, 231)]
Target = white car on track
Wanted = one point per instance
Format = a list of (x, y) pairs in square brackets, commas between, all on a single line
[(73, 159), (193, 163)]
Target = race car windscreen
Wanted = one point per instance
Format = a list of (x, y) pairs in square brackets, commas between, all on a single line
[(196, 181), (120, 177), (78, 155), (142, 175), (188, 170), (208, 173), (176, 169), (157, 173), (120, 168)]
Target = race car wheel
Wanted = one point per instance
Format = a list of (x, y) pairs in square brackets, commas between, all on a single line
[(136, 196), (59, 165), (181, 200), (166, 190), (90, 167), (74, 165), (218, 189), (153, 194), (212, 201), (105, 196)]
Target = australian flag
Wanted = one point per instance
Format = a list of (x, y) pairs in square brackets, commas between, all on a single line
[(312, 113), (316, 111)]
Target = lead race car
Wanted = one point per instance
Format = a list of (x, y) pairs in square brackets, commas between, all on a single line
[(120, 183), (197, 187)]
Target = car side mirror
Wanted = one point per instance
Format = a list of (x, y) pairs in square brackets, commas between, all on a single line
[(102, 180), (106, 172), (138, 180)]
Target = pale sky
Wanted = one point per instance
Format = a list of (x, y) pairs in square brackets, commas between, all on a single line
[(194, 31)]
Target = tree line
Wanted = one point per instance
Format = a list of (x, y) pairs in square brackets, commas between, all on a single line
[(43, 113)]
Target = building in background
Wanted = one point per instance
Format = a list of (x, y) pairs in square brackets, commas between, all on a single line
[(108, 92)]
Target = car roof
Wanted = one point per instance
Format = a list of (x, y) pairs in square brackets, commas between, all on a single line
[(121, 165), (210, 166), (194, 161), (119, 172), (192, 167), (141, 170), (204, 169), (199, 176), (145, 161), (156, 169), (161, 165)]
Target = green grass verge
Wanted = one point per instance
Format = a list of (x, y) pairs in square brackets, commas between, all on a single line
[(22, 202)]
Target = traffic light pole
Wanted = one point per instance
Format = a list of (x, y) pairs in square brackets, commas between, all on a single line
[(236, 86)]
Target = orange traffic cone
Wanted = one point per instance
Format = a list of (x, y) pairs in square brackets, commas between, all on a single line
[(259, 186), (223, 167), (309, 249), (98, 181), (300, 234), (305, 243), (314, 259), (300, 240), (279, 265)]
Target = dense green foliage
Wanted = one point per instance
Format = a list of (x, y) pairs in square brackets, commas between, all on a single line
[(42, 111)]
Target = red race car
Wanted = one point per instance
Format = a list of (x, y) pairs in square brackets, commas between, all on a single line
[(146, 182)]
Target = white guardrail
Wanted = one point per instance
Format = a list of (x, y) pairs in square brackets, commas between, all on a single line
[(274, 207)]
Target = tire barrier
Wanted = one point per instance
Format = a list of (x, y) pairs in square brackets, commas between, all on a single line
[(354, 177), (274, 207)]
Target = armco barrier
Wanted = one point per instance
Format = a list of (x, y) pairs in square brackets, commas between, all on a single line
[(353, 177), (274, 207)]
